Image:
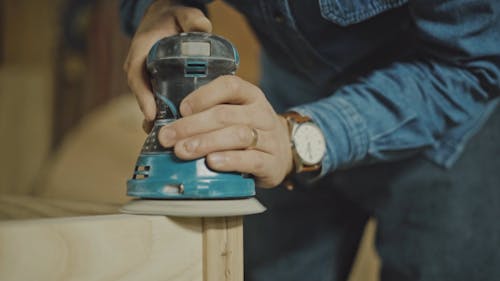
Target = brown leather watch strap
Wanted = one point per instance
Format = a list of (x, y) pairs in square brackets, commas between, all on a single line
[(296, 117), (312, 168)]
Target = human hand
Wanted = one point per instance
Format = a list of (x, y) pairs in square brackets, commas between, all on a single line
[(219, 121), (161, 19)]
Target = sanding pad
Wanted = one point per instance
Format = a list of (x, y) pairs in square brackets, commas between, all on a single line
[(194, 208)]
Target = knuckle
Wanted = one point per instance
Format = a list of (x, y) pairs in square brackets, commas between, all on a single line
[(244, 135), (223, 114), (274, 181), (268, 143), (259, 93), (189, 16), (130, 78), (258, 164), (201, 23), (231, 83), (126, 66), (189, 11)]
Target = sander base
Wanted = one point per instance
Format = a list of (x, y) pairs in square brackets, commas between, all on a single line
[(194, 208)]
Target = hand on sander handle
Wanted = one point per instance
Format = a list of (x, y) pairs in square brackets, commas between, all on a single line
[(230, 122), (162, 19)]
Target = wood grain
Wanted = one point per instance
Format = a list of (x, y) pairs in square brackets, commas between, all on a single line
[(114, 247), (223, 249)]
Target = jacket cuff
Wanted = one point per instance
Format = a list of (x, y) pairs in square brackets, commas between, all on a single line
[(344, 130)]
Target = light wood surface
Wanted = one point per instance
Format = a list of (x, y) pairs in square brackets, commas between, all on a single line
[(223, 249), (114, 247)]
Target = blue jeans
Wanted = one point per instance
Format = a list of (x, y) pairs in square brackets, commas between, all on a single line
[(433, 224)]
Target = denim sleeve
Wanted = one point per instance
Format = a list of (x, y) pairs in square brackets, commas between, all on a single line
[(132, 11), (408, 106)]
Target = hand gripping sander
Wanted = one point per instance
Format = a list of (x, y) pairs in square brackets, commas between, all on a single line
[(164, 184)]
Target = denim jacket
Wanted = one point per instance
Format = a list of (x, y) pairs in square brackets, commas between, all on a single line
[(384, 79)]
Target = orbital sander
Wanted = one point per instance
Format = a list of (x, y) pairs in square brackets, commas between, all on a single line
[(162, 183)]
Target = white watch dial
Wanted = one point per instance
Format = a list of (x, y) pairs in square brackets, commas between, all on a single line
[(309, 143)]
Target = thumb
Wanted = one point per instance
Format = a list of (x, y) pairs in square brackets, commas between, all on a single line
[(192, 19)]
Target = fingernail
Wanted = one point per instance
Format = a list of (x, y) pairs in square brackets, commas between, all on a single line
[(167, 136), (186, 109), (217, 159), (190, 146)]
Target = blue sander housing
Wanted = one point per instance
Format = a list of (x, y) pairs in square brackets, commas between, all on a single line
[(178, 65)]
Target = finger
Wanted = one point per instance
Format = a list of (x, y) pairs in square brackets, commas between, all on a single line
[(140, 87), (135, 68), (257, 163), (192, 19), (225, 89), (147, 126), (230, 138), (215, 118)]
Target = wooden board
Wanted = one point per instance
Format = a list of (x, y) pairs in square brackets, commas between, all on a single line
[(114, 247), (223, 249)]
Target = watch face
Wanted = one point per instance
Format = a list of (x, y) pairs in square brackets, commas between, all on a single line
[(309, 143)]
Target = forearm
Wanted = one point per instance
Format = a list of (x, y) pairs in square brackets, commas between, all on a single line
[(411, 106), (397, 112)]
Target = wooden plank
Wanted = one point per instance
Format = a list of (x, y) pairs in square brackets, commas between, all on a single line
[(114, 247), (223, 249)]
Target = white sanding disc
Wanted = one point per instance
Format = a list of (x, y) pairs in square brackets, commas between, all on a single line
[(194, 208)]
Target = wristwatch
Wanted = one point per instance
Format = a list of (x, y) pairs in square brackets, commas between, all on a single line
[(308, 143)]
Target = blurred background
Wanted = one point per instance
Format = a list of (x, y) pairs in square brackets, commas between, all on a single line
[(69, 128)]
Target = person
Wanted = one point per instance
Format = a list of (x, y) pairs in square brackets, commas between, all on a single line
[(398, 100)]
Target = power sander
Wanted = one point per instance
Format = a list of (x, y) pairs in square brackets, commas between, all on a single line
[(162, 183)]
